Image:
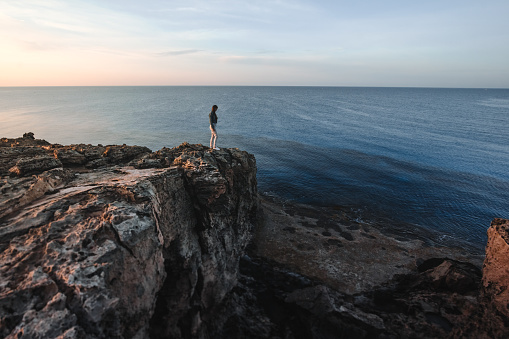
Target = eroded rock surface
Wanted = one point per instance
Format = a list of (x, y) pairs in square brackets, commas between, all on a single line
[(495, 281), (121, 252), (120, 242)]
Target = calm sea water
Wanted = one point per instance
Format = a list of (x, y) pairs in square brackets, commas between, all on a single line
[(438, 158)]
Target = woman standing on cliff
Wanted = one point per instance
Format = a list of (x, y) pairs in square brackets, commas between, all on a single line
[(213, 122)]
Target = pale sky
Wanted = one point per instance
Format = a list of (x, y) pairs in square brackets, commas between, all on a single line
[(432, 43)]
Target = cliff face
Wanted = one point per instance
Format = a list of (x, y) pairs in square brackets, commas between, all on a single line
[(121, 251), (121, 242), (495, 280), (496, 266)]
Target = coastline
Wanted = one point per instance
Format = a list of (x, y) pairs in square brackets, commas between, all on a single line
[(400, 230), (179, 243), (352, 254), (379, 155)]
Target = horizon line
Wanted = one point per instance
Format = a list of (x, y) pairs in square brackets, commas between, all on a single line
[(323, 86)]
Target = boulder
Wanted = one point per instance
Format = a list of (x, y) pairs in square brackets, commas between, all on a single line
[(35, 165), (89, 151), (70, 157), (122, 154), (9, 156), (28, 139), (29, 135), (451, 275)]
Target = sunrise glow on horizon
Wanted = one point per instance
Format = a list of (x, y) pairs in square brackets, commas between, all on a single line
[(301, 43)]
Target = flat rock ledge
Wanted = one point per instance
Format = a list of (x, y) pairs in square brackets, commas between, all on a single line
[(118, 241)]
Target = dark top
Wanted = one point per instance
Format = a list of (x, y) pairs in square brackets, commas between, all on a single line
[(213, 118)]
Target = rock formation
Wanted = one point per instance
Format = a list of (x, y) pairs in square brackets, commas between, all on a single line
[(495, 280), (120, 251), (121, 242), (360, 292)]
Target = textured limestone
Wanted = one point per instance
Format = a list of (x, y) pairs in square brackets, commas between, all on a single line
[(27, 155), (495, 281), (121, 242), (496, 265), (36, 165), (123, 252)]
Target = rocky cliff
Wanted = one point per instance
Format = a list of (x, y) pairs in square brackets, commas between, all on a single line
[(495, 280), (95, 245), (121, 242)]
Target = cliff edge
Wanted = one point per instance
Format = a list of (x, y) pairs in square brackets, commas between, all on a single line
[(95, 245), (118, 241)]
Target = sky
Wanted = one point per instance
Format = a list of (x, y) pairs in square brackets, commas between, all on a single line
[(445, 43)]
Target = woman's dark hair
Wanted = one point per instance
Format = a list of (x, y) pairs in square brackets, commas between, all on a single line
[(214, 107)]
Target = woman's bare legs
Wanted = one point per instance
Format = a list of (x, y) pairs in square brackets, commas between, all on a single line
[(213, 137)]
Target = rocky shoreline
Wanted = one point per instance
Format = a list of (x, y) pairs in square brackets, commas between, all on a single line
[(349, 253), (121, 242)]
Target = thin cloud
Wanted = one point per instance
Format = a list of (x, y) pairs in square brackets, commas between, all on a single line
[(179, 52), (250, 39), (264, 60)]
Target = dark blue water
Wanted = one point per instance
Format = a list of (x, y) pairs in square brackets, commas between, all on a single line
[(433, 157)]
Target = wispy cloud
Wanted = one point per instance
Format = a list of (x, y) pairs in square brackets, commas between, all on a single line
[(272, 60), (256, 38), (179, 52)]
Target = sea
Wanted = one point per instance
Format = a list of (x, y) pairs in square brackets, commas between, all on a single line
[(436, 158)]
